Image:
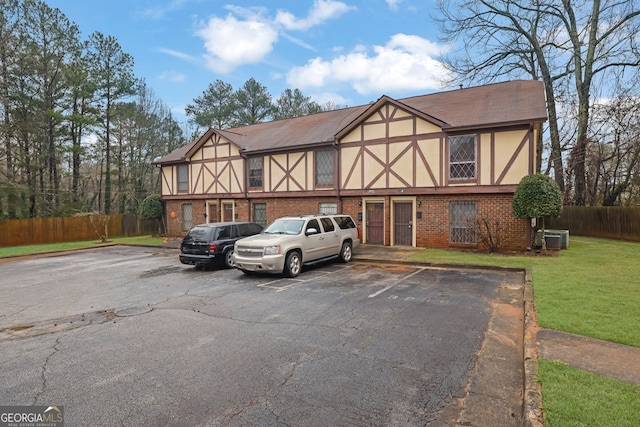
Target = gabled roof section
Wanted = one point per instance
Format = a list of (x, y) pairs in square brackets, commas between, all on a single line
[(176, 156), (498, 104), (379, 104), (208, 134)]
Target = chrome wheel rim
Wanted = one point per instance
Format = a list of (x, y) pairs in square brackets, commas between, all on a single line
[(294, 264), (229, 259), (346, 253)]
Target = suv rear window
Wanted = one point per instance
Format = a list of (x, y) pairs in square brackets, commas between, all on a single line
[(344, 222), (224, 233), (199, 233)]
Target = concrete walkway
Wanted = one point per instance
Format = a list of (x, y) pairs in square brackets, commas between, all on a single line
[(589, 354)]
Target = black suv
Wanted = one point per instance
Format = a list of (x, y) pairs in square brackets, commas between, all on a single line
[(206, 245)]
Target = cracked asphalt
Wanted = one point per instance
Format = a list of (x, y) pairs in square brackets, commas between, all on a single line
[(125, 336)]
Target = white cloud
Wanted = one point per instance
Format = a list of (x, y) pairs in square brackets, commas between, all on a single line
[(159, 11), (321, 11), (393, 4), (299, 42), (405, 63), (172, 76), (178, 54), (323, 98), (247, 35), (230, 43)]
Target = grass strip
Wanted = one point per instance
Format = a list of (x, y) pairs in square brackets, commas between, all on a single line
[(14, 251), (573, 397)]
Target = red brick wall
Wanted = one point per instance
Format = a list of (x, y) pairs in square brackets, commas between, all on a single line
[(432, 230)]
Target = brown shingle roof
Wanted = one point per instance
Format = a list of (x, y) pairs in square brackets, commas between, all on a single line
[(521, 101)]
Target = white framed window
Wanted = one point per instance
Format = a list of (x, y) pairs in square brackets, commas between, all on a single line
[(462, 222), (328, 208), (187, 216), (324, 168), (183, 177), (462, 157)]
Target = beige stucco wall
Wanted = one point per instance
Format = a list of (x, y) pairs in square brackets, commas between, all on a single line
[(169, 180), (506, 144)]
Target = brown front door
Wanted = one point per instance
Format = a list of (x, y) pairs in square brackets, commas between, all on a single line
[(375, 223), (212, 215), (227, 212), (403, 223)]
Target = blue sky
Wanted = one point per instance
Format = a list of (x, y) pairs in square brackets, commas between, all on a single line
[(349, 52)]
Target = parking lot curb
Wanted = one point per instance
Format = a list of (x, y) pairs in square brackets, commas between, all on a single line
[(533, 414)]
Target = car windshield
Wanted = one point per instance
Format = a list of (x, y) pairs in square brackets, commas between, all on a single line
[(285, 226)]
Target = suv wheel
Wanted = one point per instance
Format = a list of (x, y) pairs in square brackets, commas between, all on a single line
[(345, 252), (228, 259), (293, 264)]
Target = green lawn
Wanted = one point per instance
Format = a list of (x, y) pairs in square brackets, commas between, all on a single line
[(591, 289), (572, 397), (13, 251)]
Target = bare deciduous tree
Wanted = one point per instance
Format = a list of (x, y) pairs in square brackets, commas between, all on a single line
[(577, 43)]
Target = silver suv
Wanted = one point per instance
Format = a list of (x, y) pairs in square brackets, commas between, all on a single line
[(291, 241)]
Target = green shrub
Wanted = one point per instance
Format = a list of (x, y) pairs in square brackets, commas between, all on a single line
[(151, 207), (537, 196)]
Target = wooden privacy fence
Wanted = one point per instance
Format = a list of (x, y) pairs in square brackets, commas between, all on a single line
[(611, 222), (15, 232)]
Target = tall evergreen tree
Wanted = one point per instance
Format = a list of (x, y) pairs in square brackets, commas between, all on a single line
[(292, 103), (253, 104), (112, 72), (214, 108), (50, 38)]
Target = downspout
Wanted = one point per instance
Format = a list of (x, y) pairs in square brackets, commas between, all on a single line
[(339, 177), (245, 182)]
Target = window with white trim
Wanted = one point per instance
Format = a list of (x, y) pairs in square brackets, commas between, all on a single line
[(328, 208), (462, 157), (462, 222), (183, 177)]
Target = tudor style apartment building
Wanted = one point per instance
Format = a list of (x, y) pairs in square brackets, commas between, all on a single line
[(418, 171)]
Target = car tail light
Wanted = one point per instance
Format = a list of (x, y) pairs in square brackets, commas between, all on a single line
[(212, 247)]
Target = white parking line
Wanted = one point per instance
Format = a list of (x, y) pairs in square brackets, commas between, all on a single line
[(402, 279), (296, 281)]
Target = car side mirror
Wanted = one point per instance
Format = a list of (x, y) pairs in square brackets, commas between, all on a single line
[(311, 231)]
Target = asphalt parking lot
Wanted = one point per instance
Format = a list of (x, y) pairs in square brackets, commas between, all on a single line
[(129, 336)]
